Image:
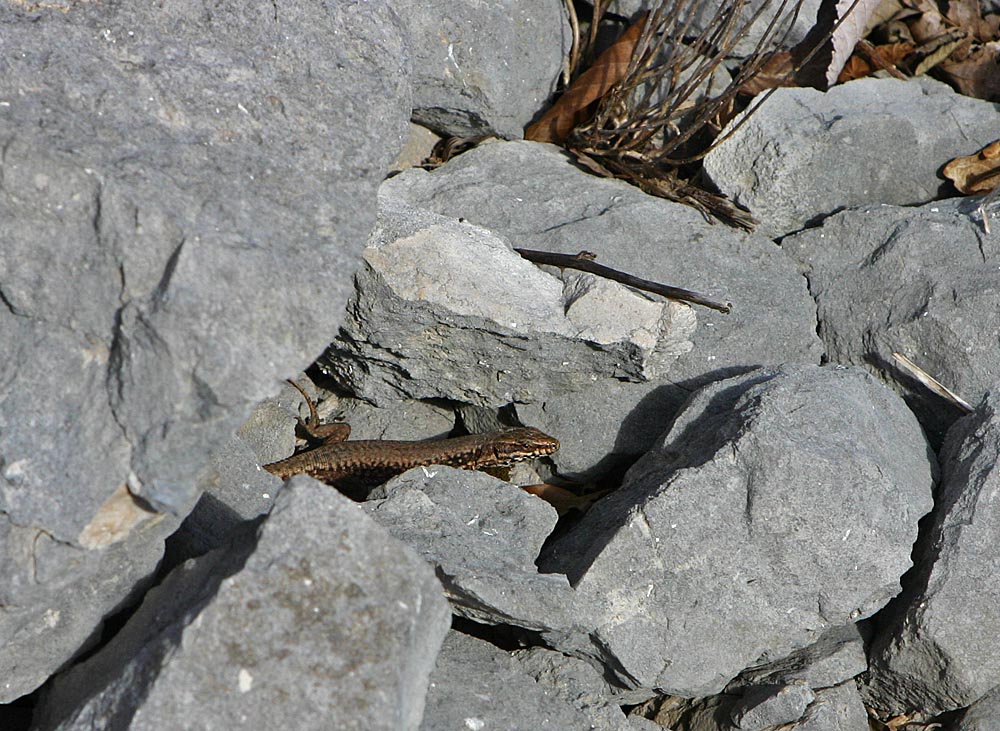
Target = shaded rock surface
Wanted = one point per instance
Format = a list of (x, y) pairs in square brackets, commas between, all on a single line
[(724, 513), (445, 309), (938, 649), (344, 618), (921, 281), (475, 685), (983, 715), (484, 68), (146, 208), (806, 154)]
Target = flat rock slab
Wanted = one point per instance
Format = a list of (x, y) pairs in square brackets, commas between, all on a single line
[(484, 69), (535, 197), (446, 309), (940, 651), (805, 154), (921, 281), (158, 269), (780, 505), (323, 621), (478, 686)]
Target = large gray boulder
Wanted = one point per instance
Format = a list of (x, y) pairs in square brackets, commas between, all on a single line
[(159, 270), (319, 621), (782, 504), (806, 154)]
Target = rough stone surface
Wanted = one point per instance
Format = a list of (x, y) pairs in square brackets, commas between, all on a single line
[(835, 709), (786, 500), (764, 706), (478, 686), (939, 650), (837, 656), (805, 154), (446, 310), (329, 623), (983, 715), (484, 68), (580, 684), (146, 157), (534, 196), (483, 535), (921, 281)]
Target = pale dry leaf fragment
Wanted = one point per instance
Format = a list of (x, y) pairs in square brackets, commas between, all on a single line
[(855, 14), (932, 383), (114, 520)]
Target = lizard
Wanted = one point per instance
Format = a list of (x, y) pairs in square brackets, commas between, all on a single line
[(372, 461)]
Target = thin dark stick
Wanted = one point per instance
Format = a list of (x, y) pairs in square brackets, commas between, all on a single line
[(584, 261)]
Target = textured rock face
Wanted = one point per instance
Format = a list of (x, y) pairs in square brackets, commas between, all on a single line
[(922, 281), (147, 211), (939, 650), (806, 154), (786, 500), (484, 69), (343, 617), (447, 310)]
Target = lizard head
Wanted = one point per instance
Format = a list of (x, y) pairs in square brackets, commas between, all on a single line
[(523, 443)]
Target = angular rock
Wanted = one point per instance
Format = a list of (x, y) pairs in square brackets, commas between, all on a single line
[(578, 683), (983, 715), (484, 69), (478, 686), (943, 274), (323, 621), (146, 208), (763, 706), (837, 656), (446, 310), (786, 500), (805, 154), (483, 535), (835, 709), (939, 650), (536, 198)]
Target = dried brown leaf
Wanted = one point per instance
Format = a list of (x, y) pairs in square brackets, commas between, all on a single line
[(869, 59), (572, 107), (977, 173), (966, 15), (937, 50), (977, 74), (562, 499), (778, 70)]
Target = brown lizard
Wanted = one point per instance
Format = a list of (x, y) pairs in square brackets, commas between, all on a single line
[(372, 461)]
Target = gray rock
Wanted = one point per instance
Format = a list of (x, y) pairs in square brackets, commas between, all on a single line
[(483, 535), (943, 274), (147, 154), (703, 16), (835, 709), (478, 686), (484, 68), (781, 504), (536, 198), (774, 705), (446, 310), (806, 154), (837, 656), (322, 622), (41, 627), (983, 715), (939, 650), (580, 684)]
